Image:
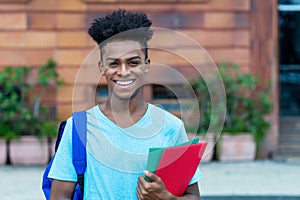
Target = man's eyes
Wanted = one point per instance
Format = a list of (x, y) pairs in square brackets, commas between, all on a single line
[(130, 63), (113, 64), (134, 63)]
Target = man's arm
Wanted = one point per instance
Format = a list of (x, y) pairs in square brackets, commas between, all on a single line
[(192, 192), (61, 190), (157, 190)]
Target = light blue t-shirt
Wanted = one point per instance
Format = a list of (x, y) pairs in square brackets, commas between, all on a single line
[(116, 156)]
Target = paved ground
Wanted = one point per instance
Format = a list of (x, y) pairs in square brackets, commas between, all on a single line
[(251, 178), (244, 180)]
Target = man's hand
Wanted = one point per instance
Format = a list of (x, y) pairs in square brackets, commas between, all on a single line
[(152, 190)]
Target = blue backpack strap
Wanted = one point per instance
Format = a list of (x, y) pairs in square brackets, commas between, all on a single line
[(79, 131), (47, 182), (60, 133)]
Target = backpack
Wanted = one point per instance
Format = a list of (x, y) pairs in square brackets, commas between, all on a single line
[(79, 155)]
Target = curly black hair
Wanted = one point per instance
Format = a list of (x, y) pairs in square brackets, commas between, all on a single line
[(109, 27)]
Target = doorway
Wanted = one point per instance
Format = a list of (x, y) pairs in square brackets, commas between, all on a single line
[(289, 70), (289, 36)]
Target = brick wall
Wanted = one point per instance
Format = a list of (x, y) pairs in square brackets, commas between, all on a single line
[(32, 32)]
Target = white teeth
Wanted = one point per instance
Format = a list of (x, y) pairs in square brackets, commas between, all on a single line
[(124, 82)]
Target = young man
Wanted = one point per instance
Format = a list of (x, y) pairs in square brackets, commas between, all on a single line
[(121, 130)]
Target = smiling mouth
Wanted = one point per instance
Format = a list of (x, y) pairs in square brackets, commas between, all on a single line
[(123, 83)]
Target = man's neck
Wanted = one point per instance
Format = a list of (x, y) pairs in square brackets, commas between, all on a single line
[(124, 113), (132, 106)]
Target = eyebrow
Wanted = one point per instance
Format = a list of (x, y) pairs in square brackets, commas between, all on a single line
[(132, 58)]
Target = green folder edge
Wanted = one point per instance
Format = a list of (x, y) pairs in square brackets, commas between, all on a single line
[(155, 154)]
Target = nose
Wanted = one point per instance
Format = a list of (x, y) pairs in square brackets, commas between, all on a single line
[(124, 70)]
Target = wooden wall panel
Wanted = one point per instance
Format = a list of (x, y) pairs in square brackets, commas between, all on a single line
[(42, 5), (218, 39), (226, 20), (70, 5), (12, 40), (70, 21), (264, 39), (8, 57), (42, 21), (228, 29), (71, 39), (213, 5), (13, 21), (37, 57), (240, 31), (70, 57)]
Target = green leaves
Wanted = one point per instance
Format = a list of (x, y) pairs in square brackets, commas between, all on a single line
[(48, 73), (16, 111), (246, 104), (201, 90)]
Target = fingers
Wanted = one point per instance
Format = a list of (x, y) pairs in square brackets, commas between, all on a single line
[(152, 176), (142, 182), (151, 190), (143, 188), (138, 192)]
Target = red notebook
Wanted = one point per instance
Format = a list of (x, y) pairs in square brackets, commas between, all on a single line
[(178, 166)]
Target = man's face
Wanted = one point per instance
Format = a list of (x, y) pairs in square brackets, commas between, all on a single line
[(124, 65)]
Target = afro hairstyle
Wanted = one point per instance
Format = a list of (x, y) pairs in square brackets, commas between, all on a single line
[(132, 26)]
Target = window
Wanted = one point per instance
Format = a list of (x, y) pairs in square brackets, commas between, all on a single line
[(289, 27), (173, 98), (101, 93)]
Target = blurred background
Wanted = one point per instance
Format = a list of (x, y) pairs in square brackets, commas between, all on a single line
[(254, 43)]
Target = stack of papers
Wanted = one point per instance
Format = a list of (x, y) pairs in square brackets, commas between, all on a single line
[(176, 165)]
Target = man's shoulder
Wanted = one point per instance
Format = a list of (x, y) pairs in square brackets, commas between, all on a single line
[(89, 111)]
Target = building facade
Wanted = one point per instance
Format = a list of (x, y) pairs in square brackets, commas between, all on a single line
[(244, 32)]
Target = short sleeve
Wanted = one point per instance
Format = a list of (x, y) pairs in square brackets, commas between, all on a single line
[(62, 167), (197, 176), (181, 134)]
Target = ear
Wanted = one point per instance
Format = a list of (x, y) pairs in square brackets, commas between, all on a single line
[(101, 67), (147, 65)]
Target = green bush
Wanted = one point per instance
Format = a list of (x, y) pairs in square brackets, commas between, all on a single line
[(18, 115), (246, 105)]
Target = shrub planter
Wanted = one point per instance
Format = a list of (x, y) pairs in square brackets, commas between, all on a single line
[(2, 152), (29, 150), (236, 147), (209, 151)]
